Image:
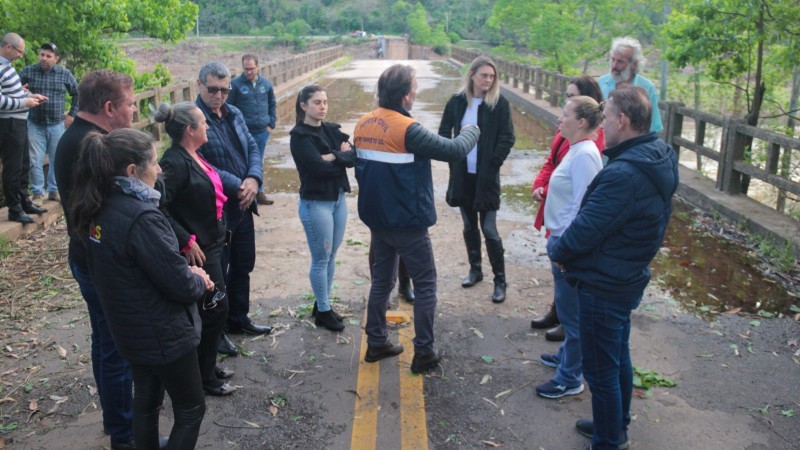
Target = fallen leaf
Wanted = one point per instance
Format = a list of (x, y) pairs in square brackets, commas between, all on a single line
[(506, 392), (492, 444), (733, 310), (58, 399), (273, 410), (792, 342), (252, 424), (62, 353), (755, 323), (33, 405), (477, 332), (485, 379), (487, 359)]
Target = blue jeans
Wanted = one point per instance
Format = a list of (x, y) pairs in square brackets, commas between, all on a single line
[(414, 247), (261, 139), (569, 371), (111, 371), (238, 260), (43, 141), (605, 333), (324, 223)]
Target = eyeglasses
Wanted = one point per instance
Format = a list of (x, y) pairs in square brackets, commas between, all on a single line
[(567, 95), (15, 48), (213, 90), (217, 297)]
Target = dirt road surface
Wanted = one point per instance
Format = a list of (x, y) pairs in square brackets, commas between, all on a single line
[(737, 382)]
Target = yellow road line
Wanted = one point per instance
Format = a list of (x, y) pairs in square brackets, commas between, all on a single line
[(413, 425), (365, 416)]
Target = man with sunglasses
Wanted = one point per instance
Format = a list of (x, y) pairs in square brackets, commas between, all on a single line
[(234, 153), (14, 104), (46, 124)]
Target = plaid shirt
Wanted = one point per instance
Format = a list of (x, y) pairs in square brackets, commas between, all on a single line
[(53, 84)]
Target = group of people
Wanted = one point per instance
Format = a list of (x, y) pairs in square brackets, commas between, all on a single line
[(162, 251), (32, 120)]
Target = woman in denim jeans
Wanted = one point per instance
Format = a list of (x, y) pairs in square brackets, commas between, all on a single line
[(322, 154)]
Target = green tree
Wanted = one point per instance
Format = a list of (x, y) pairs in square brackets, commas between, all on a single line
[(418, 28), (562, 32), (87, 31), (733, 40)]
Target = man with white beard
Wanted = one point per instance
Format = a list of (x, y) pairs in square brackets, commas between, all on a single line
[(626, 60)]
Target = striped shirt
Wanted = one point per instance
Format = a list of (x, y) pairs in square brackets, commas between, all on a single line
[(13, 99), (53, 84)]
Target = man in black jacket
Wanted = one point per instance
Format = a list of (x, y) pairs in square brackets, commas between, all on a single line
[(107, 103)]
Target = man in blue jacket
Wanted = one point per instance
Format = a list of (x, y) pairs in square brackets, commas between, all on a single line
[(607, 250), (255, 98), (395, 201), (232, 151)]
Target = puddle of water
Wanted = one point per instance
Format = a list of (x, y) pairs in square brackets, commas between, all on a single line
[(708, 274), (531, 134), (704, 274)]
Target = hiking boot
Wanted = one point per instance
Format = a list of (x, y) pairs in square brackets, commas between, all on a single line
[(551, 389), (378, 352), (424, 362), (549, 360), (586, 428), (555, 334)]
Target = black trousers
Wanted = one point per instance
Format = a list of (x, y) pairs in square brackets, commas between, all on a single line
[(16, 161), (181, 379), (214, 318)]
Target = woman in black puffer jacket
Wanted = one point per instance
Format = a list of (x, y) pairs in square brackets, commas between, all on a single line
[(148, 292)]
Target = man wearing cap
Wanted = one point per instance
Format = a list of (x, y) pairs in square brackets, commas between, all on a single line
[(14, 104), (46, 124)]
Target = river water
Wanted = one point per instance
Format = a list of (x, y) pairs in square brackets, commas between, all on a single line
[(699, 272)]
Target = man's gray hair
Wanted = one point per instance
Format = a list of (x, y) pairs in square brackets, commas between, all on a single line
[(626, 41), (215, 69)]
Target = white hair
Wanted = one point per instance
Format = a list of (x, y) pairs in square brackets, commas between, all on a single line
[(626, 41)]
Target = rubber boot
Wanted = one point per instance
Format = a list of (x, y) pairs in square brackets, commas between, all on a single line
[(498, 262), (472, 239), (405, 290)]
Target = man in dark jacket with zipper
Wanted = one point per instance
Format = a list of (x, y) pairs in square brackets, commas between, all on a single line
[(607, 250), (396, 202), (232, 151)]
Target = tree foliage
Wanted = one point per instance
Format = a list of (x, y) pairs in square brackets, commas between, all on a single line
[(86, 31), (752, 44), (563, 32)]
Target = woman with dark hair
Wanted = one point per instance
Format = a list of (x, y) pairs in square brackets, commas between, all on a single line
[(148, 293), (474, 184), (322, 154), (579, 120), (193, 205), (582, 85)]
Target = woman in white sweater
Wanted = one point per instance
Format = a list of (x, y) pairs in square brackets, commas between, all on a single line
[(578, 123)]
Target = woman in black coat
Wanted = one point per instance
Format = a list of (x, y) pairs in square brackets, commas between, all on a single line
[(148, 293), (474, 184), (193, 205)]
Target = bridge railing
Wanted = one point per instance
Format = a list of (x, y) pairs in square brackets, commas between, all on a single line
[(737, 152), (278, 72)]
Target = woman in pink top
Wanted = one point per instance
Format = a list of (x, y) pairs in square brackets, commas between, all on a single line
[(582, 85), (193, 204)]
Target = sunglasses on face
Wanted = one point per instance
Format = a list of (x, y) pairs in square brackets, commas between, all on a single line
[(213, 90)]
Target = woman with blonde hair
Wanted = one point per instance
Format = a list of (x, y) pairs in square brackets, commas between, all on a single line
[(474, 184), (580, 118)]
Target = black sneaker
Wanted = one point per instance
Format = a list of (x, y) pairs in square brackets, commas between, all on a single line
[(549, 360), (381, 351), (551, 389), (585, 428), (424, 362)]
